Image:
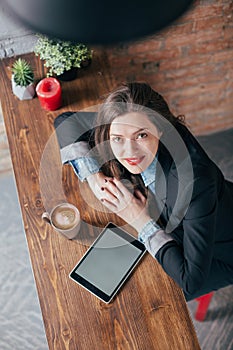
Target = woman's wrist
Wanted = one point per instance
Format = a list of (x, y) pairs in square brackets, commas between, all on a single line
[(149, 229), (139, 223)]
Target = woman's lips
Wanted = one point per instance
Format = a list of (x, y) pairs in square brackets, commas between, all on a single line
[(134, 161)]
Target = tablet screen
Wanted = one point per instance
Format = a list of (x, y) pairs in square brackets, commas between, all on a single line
[(108, 262)]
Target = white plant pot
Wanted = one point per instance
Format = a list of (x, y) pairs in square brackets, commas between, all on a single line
[(23, 92)]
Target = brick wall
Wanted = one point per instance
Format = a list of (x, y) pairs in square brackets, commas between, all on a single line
[(190, 63), (15, 39)]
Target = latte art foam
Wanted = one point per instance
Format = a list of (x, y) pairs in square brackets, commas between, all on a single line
[(64, 218)]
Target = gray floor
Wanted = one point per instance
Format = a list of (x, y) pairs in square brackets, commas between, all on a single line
[(216, 332), (21, 325)]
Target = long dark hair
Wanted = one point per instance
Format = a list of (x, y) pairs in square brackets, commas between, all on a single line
[(129, 97)]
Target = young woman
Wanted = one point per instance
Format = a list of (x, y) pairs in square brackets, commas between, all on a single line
[(152, 172)]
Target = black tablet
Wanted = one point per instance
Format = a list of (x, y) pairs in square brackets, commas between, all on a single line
[(108, 262)]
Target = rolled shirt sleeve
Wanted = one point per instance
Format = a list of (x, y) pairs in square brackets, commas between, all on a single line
[(74, 151), (84, 167), (153, 237), (78, 155)]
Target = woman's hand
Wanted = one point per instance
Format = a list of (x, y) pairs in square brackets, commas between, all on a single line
[(132, 208), (96, 182)]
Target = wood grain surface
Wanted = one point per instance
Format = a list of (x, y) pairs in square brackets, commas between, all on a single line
[(150, 311)]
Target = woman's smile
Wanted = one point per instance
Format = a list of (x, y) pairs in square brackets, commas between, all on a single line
[(135, 160)]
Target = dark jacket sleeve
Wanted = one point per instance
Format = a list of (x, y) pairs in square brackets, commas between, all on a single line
[(72, 127), (188, 260)]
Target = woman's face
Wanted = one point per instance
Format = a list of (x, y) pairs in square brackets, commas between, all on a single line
[(134, 140)]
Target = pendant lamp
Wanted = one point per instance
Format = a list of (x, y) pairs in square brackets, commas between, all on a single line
[(102, 22)]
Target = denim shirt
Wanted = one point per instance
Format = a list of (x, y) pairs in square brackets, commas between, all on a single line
[(148, 176), (85, 166), (151, 235)]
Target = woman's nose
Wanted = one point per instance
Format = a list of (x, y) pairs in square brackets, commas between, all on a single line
[(130, 147)]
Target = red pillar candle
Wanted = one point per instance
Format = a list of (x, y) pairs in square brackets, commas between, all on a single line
[(49, 92)]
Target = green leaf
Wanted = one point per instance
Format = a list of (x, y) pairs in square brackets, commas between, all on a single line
[(60, 55), (23, 73)]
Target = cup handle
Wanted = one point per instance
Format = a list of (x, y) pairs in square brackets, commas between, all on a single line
[(45, 216)]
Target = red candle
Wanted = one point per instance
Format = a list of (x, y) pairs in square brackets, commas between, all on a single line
[(49, 92)]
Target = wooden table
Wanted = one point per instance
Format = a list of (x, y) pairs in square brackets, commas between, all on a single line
[(150, 311)]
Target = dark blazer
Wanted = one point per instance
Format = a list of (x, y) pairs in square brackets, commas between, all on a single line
[(195, 203), (203, 233)]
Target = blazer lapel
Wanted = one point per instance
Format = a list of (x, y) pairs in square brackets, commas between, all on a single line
[(162, 170)]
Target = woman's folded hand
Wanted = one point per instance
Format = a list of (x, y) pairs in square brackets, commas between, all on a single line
[(131, 207)]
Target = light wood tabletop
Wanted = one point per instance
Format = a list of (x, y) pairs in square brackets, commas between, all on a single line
[(150, 311)]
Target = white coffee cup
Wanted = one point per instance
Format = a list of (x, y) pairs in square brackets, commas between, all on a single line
[(64, 218)]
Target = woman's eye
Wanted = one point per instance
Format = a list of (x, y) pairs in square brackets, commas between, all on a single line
[(142, 135), (117, 139)]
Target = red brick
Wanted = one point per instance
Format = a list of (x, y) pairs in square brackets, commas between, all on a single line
[(207, 107), (183, 62), (178, 29), (152, 59), (201, 93), (228, 11), (144, 46), (223, 56), (210, 22), (157, 55), (194, 38), (203, 128), (199, 126), (157, 78), (228, 35), (191, 71), (209, 47), (217, 111), (187, 82), (202, 11), (208, 129), (167, 53)]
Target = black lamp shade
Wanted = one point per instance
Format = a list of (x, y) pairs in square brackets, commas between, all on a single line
[(97, 22)]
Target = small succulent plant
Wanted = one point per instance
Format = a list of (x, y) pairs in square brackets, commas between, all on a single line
[(23, 73)]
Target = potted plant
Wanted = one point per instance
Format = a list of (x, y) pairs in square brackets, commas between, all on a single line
[(22, 79), (62, 56)]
